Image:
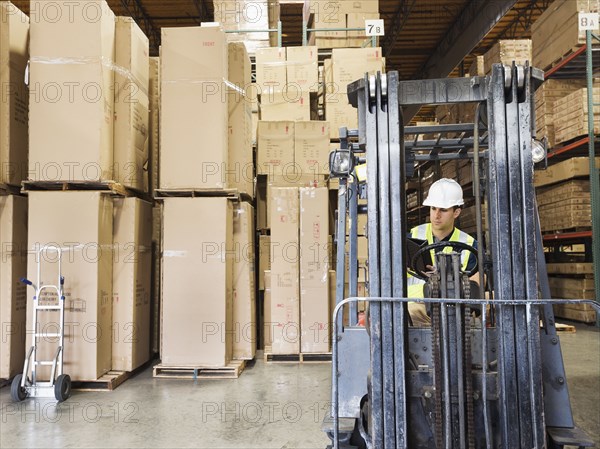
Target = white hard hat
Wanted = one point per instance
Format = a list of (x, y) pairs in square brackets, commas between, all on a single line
[(444, 193)]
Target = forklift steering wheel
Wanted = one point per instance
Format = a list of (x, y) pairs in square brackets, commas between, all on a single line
[(440, 245)]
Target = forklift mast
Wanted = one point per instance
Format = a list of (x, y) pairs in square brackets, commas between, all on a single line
[(498, 382)]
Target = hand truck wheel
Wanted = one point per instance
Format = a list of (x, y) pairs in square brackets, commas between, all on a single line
[(62, 387), (17, 392)]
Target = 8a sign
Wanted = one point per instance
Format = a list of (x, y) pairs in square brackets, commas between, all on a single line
[(588, 21)]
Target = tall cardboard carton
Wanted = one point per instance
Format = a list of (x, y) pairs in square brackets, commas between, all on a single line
[(194, 111), (240, 172), (154, 122), (197, 282), (71, 98), (357, 20), (291, 104), (271, 73), (87, 263), (132, 262), (13, 295), (350, 64), (302, 68), (311, 147), (14, 99), (314, 269), (267, 321), (264, 259), (339, 113), (275, 148), (131, 105), (244, 292), (285, 260)]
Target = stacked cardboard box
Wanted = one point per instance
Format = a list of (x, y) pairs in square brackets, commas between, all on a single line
[(244, 288), (193, 67), (197, 289), (87, 266), (240, 174), (573, 280), (13, 294), (95, 129), (347, 65), (565, 205), (14, 104), (132, 78), (556, 32), (132, 262), (248, 15), (71, 103), (506, 52), (545, 98), (298, 295), (573, 112), (335, 18)]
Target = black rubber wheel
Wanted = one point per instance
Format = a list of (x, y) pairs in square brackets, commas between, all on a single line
[(62, 387), (17, 392)]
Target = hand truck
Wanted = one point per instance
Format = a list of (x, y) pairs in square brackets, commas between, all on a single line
[(59, 385)]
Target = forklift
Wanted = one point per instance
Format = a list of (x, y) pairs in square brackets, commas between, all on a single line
[(494, 382)]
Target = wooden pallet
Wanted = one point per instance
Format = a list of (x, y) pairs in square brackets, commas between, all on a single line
[(6, 189), (231, 371), (108, 186), (193, 193), (107, 382), (303, 357), (567, 328)]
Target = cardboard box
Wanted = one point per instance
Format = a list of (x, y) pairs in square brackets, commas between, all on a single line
[(197, 282), (13, 294), (556, 32), (264, 259), (573, 112), (275, 151), (87, 266), (506, 51), (156, 276), (71, 97), (328, 16), (244, 291), (292, 180), (132, 271), (311, 147), (291, 104), (131, 139), (545, 97), (357, 20), (314, 269), (193, 94), (302, 68), (271, 72), (245, 15), (339, 113), (351, 64), (154, 123), (14, 104), (570, 168), (267, 321), (285, 258), (477, 67), (240, 173)]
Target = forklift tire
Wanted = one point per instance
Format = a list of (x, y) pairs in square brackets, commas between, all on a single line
[(17, 392), (62, 387)]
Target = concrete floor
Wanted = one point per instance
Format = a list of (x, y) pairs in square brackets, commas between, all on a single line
[(269, 406)]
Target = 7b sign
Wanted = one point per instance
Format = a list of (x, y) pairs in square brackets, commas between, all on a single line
[(374, 27)]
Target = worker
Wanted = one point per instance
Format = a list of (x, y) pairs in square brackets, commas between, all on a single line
[(445, 200)]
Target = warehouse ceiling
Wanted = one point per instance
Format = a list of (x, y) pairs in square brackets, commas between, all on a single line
[(424, 38)]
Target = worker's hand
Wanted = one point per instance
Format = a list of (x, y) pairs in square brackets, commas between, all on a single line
[(430, 270)]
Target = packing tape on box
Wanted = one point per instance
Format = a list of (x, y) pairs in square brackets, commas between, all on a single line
[(106, 62)]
